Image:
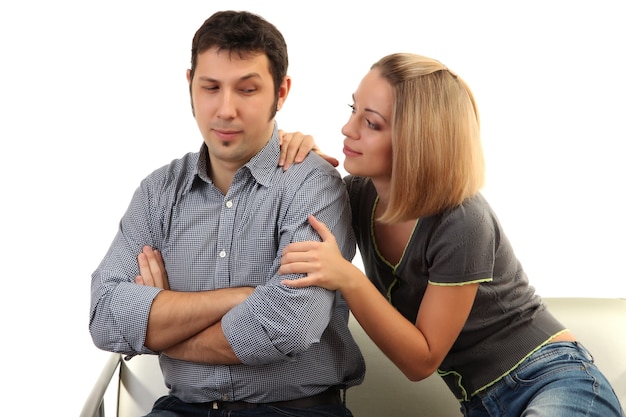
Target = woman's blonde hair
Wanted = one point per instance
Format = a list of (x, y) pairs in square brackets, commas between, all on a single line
[(437, 154)]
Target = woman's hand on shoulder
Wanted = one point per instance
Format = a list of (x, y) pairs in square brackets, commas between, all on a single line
[(295, 146)]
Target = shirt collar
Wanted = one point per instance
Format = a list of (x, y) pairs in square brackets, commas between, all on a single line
[(262, 165)]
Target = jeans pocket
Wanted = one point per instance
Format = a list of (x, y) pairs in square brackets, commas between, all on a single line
[(551, 359)]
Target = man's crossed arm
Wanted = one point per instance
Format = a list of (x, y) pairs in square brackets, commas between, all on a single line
[(187, 325)]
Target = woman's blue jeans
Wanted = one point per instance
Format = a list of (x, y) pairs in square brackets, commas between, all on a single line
[(559, 380)]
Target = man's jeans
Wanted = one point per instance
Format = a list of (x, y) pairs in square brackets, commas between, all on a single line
[(170, 406), (559, 380)]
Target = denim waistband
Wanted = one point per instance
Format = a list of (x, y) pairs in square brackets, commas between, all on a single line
[(550, 349), (553, 348)]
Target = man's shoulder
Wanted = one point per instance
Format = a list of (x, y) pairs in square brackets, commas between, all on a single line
[(180, 165), (176, 170), (315, 164), (313, 174)]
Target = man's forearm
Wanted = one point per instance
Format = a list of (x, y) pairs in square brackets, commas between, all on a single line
[(178, 316), (209, 346)]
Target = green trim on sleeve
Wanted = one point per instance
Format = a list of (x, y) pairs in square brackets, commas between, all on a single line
[(458, 284)]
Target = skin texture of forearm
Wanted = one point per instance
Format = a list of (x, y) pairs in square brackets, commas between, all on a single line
[(398, 338), (388, 329), (209, 346), (177, 316), (417, 349)]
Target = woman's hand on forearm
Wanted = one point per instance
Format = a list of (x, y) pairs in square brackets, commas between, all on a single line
[(322, 262)]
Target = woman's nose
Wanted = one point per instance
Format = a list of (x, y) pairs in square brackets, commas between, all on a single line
[(348, 129)]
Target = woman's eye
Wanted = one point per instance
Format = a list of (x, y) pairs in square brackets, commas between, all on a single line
[(371, 125), (352, 108)]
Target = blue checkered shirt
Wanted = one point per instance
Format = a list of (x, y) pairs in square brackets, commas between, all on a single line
[(291, 342)]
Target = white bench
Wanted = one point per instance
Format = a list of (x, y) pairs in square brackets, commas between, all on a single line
[(599, 323)]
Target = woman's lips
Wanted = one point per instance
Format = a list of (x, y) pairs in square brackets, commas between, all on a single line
[(348, 151)]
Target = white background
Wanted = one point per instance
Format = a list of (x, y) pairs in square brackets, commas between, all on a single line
[(93, 97)]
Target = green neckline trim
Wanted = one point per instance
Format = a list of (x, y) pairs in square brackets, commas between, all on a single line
[(373, 237)]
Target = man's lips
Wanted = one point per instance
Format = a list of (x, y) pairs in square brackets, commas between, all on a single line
[(225, 134)]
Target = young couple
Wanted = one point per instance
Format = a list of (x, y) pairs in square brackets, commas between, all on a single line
[(237, 271)]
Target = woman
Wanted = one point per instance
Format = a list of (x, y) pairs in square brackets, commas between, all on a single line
[(444, 291)]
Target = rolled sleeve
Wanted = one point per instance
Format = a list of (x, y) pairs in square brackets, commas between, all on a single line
[(119, 307), (279, 323), (119, 314)]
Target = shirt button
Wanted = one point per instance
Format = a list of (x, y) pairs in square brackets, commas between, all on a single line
[(222, 254), (229, 203)]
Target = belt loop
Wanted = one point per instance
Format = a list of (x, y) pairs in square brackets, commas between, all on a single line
[(585, 351)]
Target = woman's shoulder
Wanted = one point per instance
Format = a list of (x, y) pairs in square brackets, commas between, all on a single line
[(471, 206), (360, 189), (473, 214), (356, 183)]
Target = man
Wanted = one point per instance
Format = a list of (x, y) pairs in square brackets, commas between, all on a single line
[(192, 273)]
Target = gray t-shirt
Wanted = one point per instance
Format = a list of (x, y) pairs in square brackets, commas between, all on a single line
[(466, 244)]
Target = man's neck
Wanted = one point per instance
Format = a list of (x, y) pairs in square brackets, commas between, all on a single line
[(222, 174)]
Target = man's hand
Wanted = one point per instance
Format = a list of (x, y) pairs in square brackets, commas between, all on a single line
[(152, 269)]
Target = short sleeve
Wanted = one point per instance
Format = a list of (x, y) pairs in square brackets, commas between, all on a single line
[(462, 248)]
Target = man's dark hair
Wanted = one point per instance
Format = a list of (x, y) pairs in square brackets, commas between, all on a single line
[(242, 33)]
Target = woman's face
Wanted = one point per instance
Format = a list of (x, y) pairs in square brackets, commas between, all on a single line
[(367, 145)]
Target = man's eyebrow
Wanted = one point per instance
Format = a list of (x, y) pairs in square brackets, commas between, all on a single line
[(371, 110), (242, 78)]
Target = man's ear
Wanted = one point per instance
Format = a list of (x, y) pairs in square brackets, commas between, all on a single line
[(193, 110), (283, 92)]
